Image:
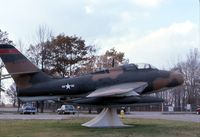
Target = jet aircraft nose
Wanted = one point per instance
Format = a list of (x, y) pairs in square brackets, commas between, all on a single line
[(176, 78)]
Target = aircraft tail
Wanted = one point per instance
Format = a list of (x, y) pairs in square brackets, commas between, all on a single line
[(20, 68)]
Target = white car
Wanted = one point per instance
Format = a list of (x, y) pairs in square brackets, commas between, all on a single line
[(27, 109), (66, 109)]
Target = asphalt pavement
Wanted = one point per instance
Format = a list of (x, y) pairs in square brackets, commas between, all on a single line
[(144, 115)]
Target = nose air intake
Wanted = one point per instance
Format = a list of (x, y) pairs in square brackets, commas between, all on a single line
[(176, 79)]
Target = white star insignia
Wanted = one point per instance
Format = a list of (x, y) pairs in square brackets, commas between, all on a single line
[(68, 86)]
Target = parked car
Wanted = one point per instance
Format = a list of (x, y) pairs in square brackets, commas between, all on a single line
[(27, 109), (66, 109), (198, 111)]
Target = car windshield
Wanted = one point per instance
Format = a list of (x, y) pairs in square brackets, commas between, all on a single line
[(26, 105), (30, 108), (69, 107)]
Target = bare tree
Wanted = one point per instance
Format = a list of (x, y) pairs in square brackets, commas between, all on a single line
[(11, 92), (20, 45), (191, 70), (44, 34), (37, 52), (189, 93), (34, 52), (4, 38)]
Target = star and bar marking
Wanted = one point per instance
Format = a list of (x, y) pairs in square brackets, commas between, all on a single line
[(68, 86)]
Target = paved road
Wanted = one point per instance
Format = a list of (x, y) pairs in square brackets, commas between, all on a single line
[(159, 115), (144, 115)]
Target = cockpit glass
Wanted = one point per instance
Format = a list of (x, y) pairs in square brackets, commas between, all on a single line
[(153, 67), (130, 67), (101, 71), (145, 66)]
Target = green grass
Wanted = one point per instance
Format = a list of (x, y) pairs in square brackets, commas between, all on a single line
[(71, 128)]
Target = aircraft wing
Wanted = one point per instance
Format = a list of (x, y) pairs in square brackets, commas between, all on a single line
[(41, 98), (125, 89)]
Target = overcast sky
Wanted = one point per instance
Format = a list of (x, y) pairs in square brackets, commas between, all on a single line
[(158, 32)]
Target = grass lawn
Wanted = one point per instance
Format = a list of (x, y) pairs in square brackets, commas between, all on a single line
[(71, 128)]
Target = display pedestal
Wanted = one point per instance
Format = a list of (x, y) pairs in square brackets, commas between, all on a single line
[(107, 118)]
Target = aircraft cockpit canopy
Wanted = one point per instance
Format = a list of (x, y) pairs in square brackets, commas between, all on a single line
[(145, 66), (129, 67), (101, 71)]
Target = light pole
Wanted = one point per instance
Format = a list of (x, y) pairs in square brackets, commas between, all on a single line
[(0, 84), (199, 25), (0, 87)]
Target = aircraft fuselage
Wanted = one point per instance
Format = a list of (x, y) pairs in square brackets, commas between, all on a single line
[(84, 84)]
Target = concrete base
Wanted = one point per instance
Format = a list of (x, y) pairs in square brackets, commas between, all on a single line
[(107, 118)]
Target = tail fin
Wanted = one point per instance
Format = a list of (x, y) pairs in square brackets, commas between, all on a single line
[(20, 68)]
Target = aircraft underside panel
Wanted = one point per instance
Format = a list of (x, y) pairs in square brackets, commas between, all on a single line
[(116, 101), (40, 98)]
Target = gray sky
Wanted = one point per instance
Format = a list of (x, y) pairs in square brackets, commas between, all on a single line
[(159, 32)]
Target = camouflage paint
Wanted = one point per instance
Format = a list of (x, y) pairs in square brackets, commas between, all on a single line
[(112, 74)]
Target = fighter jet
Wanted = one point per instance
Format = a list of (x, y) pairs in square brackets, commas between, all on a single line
[(110, 88)]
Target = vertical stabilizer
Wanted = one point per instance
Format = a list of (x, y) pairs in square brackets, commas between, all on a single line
[(24, 73), (14, 61)]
